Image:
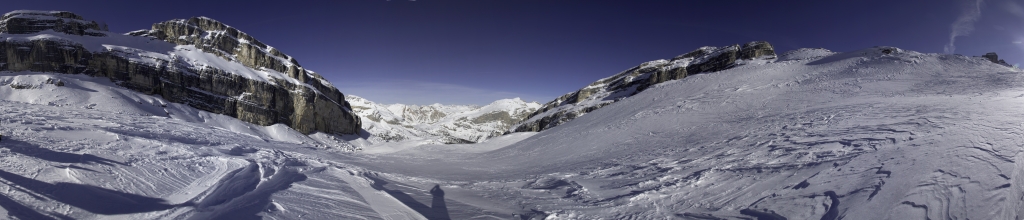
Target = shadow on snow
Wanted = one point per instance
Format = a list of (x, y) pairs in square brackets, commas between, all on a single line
[(90, 198), (438, 209), (32, 150)]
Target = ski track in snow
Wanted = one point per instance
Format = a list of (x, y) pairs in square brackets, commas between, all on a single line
[(813, 135)]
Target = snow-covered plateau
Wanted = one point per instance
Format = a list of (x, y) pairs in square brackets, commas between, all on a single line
[(99, 125), (879, 133)]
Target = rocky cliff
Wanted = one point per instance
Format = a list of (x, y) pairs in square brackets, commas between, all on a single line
[(447, 124), (197, 61), (992, 56), (634, 80), (29, 22)]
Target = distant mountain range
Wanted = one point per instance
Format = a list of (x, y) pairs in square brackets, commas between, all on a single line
[(438, 123), (194, 119)]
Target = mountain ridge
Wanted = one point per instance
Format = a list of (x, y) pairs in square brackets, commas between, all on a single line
[(611, 89), (192, 61), (438, 123)]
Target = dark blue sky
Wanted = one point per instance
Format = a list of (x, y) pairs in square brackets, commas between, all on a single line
[(476, 51)]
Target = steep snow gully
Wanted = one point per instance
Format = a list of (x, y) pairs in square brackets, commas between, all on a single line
[(879, 133)]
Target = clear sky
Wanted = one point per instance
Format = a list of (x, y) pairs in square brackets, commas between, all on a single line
[(477, 51)]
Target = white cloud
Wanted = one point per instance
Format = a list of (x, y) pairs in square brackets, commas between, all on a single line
[(1014, 8), (425, 93), (964, 24)]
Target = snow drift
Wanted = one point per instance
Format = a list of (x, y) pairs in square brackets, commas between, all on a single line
[(879, 133)]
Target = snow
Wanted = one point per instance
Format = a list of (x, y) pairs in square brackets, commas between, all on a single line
[(609, 89), (155, 53), (853, 135), (266, 49), (431, 124), (805, 53), (886, 134)]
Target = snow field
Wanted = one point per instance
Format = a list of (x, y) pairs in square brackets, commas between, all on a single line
[(813, 135)]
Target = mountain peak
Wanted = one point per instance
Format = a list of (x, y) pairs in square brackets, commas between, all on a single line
[(61, 14), (438, 122), (30, 22), (215, 37), (198, 61)]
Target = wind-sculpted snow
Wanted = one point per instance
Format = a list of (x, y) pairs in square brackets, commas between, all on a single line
[(61, 162), (92, 149), (857, 135), (879, 133)]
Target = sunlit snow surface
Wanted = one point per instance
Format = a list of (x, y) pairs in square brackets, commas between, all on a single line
[(814, 135)]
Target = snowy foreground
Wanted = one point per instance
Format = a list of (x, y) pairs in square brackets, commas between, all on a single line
[(811, 135)]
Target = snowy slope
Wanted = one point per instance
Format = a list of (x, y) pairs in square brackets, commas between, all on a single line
[(438, 123), (817, 135), (814, 135), (90, 149), (637, 79)]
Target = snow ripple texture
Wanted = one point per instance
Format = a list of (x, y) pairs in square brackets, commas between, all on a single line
[(879, 133)]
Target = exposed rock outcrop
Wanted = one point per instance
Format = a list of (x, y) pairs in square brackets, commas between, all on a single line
[(637, 79), (28, 22), (992, 56), (271, 88)]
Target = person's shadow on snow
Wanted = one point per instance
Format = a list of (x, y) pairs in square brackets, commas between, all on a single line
[(437, 205), (438, 210)]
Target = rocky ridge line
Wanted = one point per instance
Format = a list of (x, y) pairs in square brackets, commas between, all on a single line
[(442, 124), (635, 80), (33, 41)]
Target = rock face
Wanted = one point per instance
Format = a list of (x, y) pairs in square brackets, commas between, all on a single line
[(198, 61), (637, 79), (28, 22), (992, 56), (443, 124)]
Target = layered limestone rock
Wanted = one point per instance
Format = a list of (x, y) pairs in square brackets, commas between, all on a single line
[(300, 98), (28, 22), (637, 79)]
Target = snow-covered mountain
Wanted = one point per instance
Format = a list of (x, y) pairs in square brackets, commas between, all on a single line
[(878, 133), (439, 123), (198, 62), (635, 80)]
